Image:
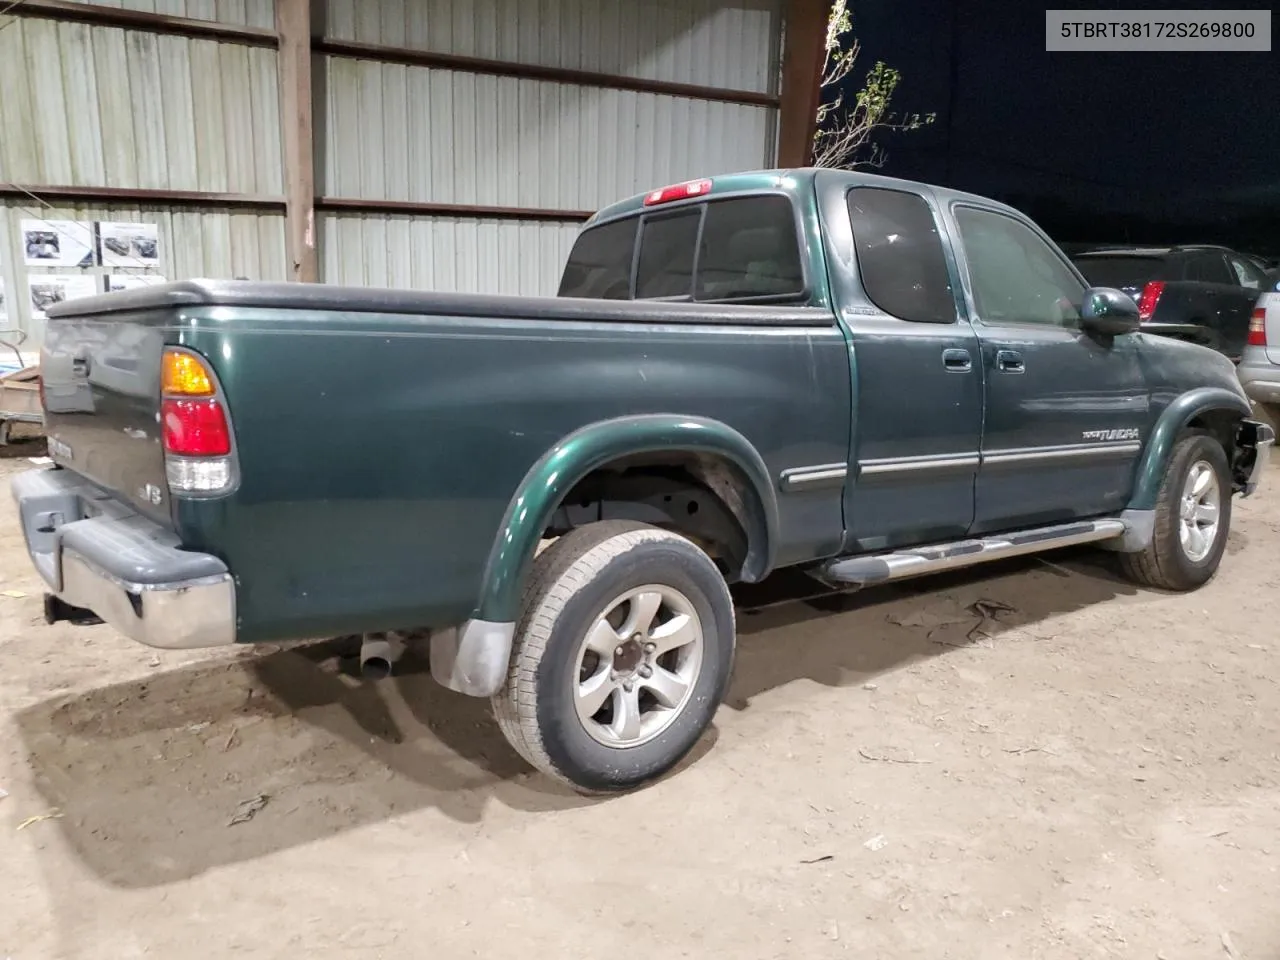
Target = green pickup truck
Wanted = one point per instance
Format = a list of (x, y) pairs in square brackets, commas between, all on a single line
[(864, 378)]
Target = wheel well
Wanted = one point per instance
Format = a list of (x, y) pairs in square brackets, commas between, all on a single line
[(706, 498), (1223, 426), (1220, 424)]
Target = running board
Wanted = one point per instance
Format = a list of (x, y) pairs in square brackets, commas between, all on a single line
[(880, 567)]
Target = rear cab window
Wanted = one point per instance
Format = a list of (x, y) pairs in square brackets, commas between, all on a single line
[(900, 257), (739, 249)]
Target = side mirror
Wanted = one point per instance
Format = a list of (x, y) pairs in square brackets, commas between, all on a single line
[(1108, 312)]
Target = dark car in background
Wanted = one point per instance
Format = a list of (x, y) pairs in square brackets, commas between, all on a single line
[(1269, 266), (1204, 294)]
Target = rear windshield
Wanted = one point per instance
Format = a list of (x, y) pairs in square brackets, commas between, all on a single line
[(1121, 271), (739, 249)]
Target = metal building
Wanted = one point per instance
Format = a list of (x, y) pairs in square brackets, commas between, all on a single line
[(442, 144)]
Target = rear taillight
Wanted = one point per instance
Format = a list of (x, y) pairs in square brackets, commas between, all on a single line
[(1258, 328), (679, 191), (195, 428), (1150, 297), (194, 425)]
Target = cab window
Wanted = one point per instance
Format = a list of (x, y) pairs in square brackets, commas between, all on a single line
[(741, 249)]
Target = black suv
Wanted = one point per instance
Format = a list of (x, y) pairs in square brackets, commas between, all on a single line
[(1200, 293)]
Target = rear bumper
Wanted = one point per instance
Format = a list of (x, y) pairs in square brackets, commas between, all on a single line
[(97, 553), (1259, 377)]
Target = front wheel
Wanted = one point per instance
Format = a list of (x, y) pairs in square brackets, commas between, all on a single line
[(621, 657), (1193, 517)]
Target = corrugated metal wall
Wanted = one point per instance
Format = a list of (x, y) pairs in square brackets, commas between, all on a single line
[(95, 106), (712, 43), (444, 253), (241, 13), (413, 133), (100, 106), (397, 132), (192, 243)]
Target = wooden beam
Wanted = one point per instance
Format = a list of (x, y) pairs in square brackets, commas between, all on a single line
[(140, 20), (463, 211), (803, 57), (293, 27), (531, 71), (59, 195), (125, 196)]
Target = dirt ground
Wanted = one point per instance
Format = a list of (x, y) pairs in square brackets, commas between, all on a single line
[(1091, 773)]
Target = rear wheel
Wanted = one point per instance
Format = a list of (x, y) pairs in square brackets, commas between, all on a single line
[(622, 654), (1193, 517)]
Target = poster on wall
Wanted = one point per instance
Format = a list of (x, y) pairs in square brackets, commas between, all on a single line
[(57, 243), (131, 281), (129, 244), (51, 288)]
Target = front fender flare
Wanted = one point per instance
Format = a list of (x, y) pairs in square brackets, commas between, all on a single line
[(1174, 419), (591, 447)]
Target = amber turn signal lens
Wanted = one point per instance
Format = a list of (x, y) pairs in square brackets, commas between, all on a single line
[(185, 376)]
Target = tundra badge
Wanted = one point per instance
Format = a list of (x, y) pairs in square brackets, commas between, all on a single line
[(1125, 433)]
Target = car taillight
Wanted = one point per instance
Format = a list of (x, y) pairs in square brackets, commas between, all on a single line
[(194, 426), (1150, 297), (678, 191), (1258, 328)]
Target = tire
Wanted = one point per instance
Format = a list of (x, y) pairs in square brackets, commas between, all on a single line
[(556, 675), (1168, 563)]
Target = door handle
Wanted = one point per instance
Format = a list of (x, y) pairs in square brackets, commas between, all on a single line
[(1009, 361), (957, 361)]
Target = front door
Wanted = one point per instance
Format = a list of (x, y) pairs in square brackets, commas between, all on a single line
[(917, 379), (1066, 412)]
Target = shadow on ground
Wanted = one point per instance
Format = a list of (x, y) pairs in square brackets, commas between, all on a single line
[(149, 775)]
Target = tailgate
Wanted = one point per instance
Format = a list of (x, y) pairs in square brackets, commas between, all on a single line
[(102, 403)]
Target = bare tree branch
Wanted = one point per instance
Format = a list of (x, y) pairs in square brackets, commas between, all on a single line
[(844, 131)]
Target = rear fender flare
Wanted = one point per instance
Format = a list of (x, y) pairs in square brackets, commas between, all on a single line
[(1155, 457), (591, 447)]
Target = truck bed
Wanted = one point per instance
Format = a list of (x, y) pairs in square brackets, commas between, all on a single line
[(372, 501)]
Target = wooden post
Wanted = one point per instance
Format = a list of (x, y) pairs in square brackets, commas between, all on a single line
[(803, 54), (293, 27)]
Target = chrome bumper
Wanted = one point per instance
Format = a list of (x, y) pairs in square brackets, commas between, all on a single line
[(1260, 437), (97, 553)]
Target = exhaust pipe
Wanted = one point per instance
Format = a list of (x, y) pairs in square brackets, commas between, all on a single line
[(378, 654)]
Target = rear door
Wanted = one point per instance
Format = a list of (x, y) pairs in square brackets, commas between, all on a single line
[(916, 374), (1065, 413), (1219, 302)]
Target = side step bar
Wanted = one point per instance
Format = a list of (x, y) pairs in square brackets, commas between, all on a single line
[(880, 567)]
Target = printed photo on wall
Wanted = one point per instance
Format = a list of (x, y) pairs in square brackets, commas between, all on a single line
[(57, 243), (51, 288), (131, 281), (129, 244)]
